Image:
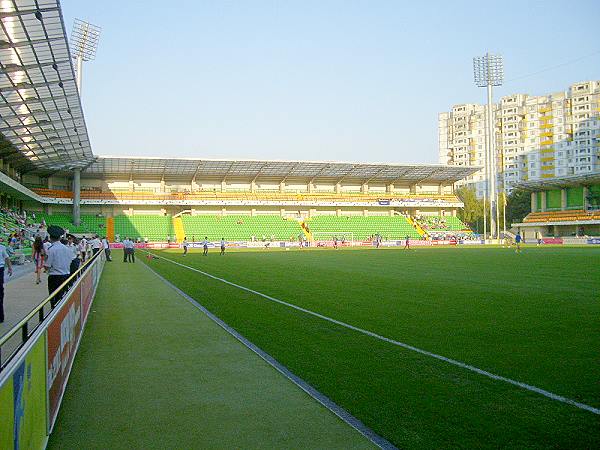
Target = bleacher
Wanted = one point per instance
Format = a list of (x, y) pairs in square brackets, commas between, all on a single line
[(152, 227), (90, 224), (240, 227), (362, 228), (445, 223), (8, 226), (562, 216)]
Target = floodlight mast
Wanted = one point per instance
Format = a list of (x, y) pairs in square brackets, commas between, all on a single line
[(488, 71), (84, 43)]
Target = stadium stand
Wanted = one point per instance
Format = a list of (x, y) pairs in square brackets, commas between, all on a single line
[(151, 227), (445, 223), (562, 216), (264, 195), (363, 228), (240, 227), (89, 224)]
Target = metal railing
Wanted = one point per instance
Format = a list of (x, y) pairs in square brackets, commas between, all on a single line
[(40, 312)]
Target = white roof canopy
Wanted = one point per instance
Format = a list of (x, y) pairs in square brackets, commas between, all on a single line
[(181, 168), (40, 109)]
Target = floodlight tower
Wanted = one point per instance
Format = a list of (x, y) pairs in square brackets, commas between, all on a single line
[(488, 71), (84, 43)]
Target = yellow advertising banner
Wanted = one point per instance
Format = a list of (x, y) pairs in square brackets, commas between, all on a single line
[(23, 402)]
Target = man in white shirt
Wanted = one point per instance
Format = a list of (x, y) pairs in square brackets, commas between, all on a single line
[(74, 247), (129, 251), (106, 246), (96, 244), (83, 248), (57, 263), (184, 244), (4, 261)]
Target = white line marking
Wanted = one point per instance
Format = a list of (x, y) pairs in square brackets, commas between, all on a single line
[(545, 393), (299, 382)]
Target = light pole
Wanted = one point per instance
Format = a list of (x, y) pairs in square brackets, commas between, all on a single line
[(84, 43), (488, 71)]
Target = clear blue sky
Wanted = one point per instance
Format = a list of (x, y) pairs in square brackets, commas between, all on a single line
[(313, 80)]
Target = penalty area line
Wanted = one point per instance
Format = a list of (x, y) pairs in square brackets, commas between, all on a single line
[(454, 362)]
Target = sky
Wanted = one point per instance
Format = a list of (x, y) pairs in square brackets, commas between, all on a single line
[(314, 80)]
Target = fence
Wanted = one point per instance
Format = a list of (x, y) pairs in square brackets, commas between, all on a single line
[(36, 358)]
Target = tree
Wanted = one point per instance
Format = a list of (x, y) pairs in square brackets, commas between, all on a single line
[(472, 212), (518, 206)]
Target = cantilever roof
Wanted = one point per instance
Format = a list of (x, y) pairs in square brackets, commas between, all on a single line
[(557, 183), (40, 108), (183, 168)]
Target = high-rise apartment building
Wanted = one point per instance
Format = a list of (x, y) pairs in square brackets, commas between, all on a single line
[(536, 137)]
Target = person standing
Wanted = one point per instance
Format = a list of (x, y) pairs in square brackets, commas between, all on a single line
[(184, 244), (82, 248), (4, 262), (222, 246), (407, 243), (205, 245), (74, 247), (129, 250), (58, 262), (96, 244), (106, 246), (518, 240), (38, 258), (125, 250)]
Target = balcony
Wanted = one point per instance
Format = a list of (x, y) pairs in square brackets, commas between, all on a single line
[(546, 126), (544, 109), (546, 134), (547, 159), (547, 142)]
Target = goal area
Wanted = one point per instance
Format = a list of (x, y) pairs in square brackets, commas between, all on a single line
[(328, 238)]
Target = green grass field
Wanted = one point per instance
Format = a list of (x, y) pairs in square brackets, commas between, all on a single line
[(532, 317)]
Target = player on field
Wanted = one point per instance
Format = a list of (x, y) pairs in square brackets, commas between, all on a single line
[(518, 240), (222, 246), (205, 245), (184, 244), (335, 245), (407, 243)]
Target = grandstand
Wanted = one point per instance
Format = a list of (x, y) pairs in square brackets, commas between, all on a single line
[(240, 227), (563, 207), (364, 228), (144, 227)]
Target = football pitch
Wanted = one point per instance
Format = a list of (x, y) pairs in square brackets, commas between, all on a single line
[(430, 348)]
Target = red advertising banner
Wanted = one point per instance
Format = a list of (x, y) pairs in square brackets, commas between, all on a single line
[(552, 240), (62, 337), (87, 289)]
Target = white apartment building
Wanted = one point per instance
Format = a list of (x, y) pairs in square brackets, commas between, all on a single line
[(536, 137)]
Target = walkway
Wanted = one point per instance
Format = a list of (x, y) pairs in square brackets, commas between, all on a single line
[(21, 295), (155, 372)]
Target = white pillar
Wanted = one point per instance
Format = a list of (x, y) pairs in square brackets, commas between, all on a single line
[(76, 197)]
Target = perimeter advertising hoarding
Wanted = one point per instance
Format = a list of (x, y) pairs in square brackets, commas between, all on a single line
[(62, 336), (23, 402), (86, 286)]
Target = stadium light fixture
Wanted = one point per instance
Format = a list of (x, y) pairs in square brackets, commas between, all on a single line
[(84, 43), (488, 71)]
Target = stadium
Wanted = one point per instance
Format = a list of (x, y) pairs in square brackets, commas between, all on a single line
[(267, 303)]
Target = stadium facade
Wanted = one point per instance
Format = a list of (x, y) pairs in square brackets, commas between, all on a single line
[(563, 207), (537, 138)]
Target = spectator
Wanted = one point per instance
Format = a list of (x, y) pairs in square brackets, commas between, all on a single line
[(4, 262), (38, 258), (58, 262), (106, 246)]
